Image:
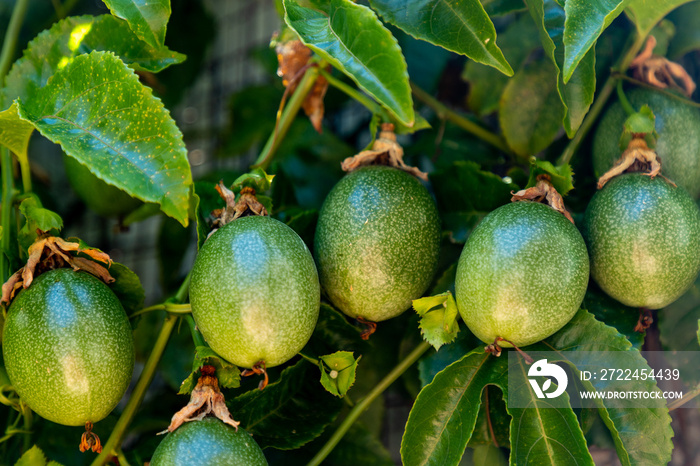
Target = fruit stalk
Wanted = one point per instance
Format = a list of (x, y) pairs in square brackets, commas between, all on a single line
[(599, 102), (288, 114), (371, 105), (467, 125), (363, 404)]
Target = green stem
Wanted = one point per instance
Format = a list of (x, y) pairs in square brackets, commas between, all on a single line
[(600, 101), (363, 404), (445, 113), (149, 369), (196, 334), (624, 101), (6, 213), (170, 308), (686, 398), (288, 114), (28, 420), (354, 94), (10, 42)]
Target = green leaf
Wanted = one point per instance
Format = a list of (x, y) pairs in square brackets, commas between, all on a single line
[(491, 422), (129, 140), (289, 412), (229, 375), (614, 314), (462, 27), (52, 50), (15, 133), (642, 121), (333, 332), (38, 217), (485, 83), (338, 372), (148, 19), (488, 455), (502, 7), (256, 179), (577, 93), (547, 431), (438, 323), (585, 22), (32, 457), (351, 38), (530, 110), (127, 286), (562, 177), (631, 428), (444, 414), (645, 14), (435, 361), (687, 37)]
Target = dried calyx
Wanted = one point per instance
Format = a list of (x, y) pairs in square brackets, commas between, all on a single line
[(246, 204), (638, 157), (206, 399), (545, 193), (51, 252), (385, 151)]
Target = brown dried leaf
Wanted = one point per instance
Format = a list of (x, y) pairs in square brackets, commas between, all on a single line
[(661, 72), (206, 399), (11, 285), (637, 157), (313, 104), (542, 191), (247, 204), (385, 151), (80, 263), (293, 57)]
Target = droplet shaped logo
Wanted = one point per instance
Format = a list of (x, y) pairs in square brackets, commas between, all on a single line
[(542, 368)]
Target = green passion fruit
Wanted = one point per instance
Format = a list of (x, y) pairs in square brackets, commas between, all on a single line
[(643, 237), (377, 242), (677, 146), (522, 274), (102, 198), (208, 442), (68, 347), (254, 293)]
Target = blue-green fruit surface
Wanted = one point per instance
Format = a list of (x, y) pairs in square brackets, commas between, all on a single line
[(68, 347), (678, 144), (643, 236), (377, 242), (208, 442), (522, 274), (254, 293)]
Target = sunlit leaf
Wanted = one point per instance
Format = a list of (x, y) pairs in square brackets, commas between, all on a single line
[(338, 372), (438, 323), (15, 133), (147, 18)]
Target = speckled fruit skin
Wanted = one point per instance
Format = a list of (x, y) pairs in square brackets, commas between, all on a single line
[(68, 347), (643, 236), (102, 198), (678, 145), (208, 442), (254, 292), (377, 242), (522, 274)]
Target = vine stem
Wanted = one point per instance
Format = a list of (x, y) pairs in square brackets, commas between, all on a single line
[(450, 115), (624, 101), (113, 444), (363, 404), (686, 398), (170, 308), (138, 393), (6, 213), (600, 101), (288, 114), (11, 34)]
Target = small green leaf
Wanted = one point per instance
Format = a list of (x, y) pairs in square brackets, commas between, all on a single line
[(338, 372), (288, 413), (15, 133), (51, 50), (461, 27), (36, 218), (229, 375), (32, 457), (577, 94), (562, 176), (530, 110), (127, 286), (148, 19), (641, 122), (351, 38), (585, 22), (438, 323), (129, 140), (256, 179), (645, 14)]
